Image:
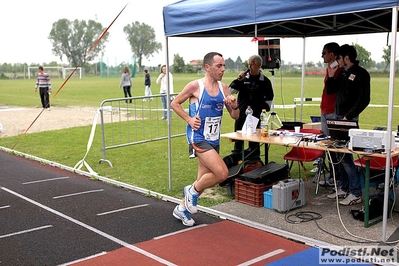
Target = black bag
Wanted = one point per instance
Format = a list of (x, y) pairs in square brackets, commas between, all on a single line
[(376, 205), (235, 169), (267, 174)]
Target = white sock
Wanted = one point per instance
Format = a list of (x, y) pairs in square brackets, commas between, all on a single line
[(193, 191), (181, 208)]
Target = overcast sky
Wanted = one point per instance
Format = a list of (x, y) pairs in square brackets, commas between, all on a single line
[(26, 26)]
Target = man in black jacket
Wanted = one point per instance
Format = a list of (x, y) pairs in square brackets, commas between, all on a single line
[(255, 90), (353, 87)]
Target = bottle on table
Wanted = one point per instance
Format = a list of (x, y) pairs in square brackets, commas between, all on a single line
[(249, 121), (264, 127)]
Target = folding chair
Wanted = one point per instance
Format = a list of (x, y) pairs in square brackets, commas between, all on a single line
[(377, 164), (302, 154)]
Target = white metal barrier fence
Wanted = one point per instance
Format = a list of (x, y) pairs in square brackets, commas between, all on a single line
[(130, 121)]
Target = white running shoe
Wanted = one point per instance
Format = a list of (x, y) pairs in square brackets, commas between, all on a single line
[(351, 200), (340, 194), (190, 200), (184, 216), (328, 183)]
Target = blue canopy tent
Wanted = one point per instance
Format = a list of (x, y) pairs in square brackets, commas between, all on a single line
[(288, 18)]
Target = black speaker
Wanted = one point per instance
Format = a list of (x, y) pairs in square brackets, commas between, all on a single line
[(269, 50)]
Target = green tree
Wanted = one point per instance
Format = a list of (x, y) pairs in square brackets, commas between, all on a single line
[(189, 68), (142, 40), (178, 64), (238, 64), (73, 39), (386, 56), (229, 63), (363, 55)]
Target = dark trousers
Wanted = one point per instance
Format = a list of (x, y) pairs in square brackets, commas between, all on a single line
[(44, 97), (126, 91)]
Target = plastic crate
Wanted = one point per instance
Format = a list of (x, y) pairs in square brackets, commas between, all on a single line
[(268, 199), (249, 193)]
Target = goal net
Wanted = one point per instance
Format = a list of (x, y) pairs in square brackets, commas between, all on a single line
[(56, 72), (69, 70)]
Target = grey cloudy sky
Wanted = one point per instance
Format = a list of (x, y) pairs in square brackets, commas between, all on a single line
[(27, 24)]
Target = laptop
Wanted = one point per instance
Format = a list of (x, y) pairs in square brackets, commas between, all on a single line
[(315, 119), (339, 130)]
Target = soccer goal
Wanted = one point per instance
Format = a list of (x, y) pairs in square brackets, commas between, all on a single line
[(54, 72), (69, 70)]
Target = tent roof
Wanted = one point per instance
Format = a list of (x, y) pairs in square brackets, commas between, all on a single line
[(277, 18)]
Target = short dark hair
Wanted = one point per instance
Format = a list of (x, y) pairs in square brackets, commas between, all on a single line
[(348, 50), (40, 67), (332, 47), (208, 58), (145, 70)]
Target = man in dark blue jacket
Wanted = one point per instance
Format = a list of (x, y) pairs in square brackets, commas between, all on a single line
[(353, 88), (255, 90)]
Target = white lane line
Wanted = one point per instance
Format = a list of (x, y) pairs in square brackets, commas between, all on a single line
[(5, 206), (266, 256), (124, 209), (79, 193), (11, 109), (180, 231), (45, 180), (88, 227), (84, 259), (26, 231)]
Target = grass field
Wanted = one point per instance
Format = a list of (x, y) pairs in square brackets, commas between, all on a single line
[(146, 165)]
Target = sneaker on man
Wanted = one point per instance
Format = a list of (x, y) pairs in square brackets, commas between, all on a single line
[(184, 216), (340, 194), (190, 199), (316, 162), (329, 182), (351, 200)]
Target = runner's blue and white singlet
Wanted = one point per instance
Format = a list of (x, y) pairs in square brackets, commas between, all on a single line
[(210, 110)]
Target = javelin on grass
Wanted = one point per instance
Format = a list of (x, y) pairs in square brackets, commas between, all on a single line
[(69, 76)]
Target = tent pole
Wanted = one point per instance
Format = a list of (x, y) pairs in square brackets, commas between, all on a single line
[(303, 78), (168, 115), (390, 116)]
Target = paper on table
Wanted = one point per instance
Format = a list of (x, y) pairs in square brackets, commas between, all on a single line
[(255, 121)]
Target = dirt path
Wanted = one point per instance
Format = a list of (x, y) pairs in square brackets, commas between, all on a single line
[(15, 120)]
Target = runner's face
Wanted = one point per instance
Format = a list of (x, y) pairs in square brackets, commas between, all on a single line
[(216, 70)]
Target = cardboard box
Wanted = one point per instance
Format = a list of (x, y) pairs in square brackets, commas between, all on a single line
[(312, 125)]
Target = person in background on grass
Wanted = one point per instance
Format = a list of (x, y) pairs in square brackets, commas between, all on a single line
[(327, 107), (255, 90), (353, 87), (147, 84), (207, 98), (163, 89), (44, 84), (126, 83)]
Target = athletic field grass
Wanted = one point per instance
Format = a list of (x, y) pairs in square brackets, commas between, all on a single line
[(146, 165)]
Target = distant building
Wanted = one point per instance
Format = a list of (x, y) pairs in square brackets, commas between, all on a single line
[(196, 63)]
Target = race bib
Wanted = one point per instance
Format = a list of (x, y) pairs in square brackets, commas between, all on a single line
[(212, 128)]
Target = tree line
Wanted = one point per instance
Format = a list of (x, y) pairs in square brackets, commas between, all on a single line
[(73, 40)]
